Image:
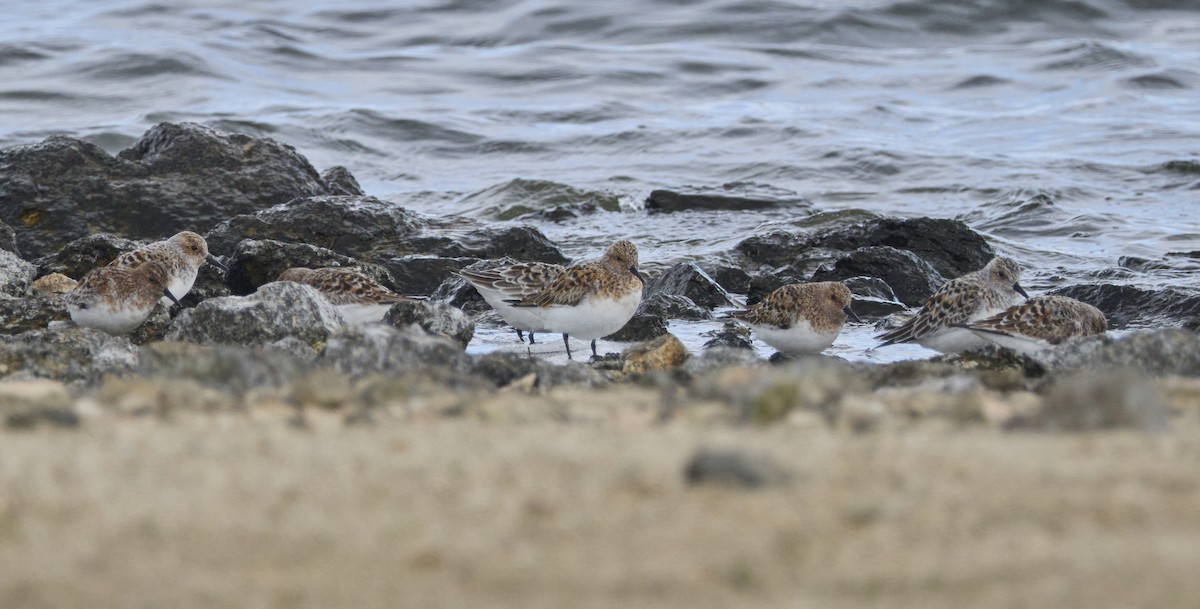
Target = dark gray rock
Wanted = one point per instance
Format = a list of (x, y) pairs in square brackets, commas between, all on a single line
[(350, 225), (229, 368), (503, 368), (8, 239), (78, 257), (761, 285), (277, 310), (688, 279), (735, 468), (711, 200), (435, 318), (256, 262), (15, 274), (670, 306), (911, 279), (1124, 304), (339, 181), (19, 315), (731, 335), (642, 326), (461, 239), (71, 354), (418, 274), (176, 177), (873, 297), (376, 348), (210, 283), (730, 278)]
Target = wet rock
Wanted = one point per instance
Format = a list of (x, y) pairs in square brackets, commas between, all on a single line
[(16, 275), (522, 198), (256, 262), (1124, 304), (642, 326), (210, 283), (418, 274), (662, 353), (339, 181), (732, 334), (78, 257), (670, 306), (228, 368), (873, 297), (349, 225), (664, 201), (1091, 400), (30, 403), (8, 239), (504, 368), (177, 176), (52, 285), (452, 239), (19, 315), (71, 354), (363, 349), (761, 285), (730, 278), (435, 318), (277, 310), (734, 468), (911, 279), (688, 279)]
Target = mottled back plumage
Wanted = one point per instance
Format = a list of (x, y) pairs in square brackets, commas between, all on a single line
[(117, 299), (514, 282), (343, 286), (1053, 319), (610, 276), (822, 304), (182, 255)]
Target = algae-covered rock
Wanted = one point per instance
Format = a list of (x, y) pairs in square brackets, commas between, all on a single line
[(276, 311), (228, 368), (16, 275), (363, 349), (71, 354), (433, 317)]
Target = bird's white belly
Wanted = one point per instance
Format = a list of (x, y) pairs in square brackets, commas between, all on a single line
[(800, 338), (591, 318), (111, 320)]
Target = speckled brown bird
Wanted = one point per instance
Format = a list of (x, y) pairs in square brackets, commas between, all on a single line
[(800, 317), (358, 297), (117, 299), (501, 285), (182, 255), (1040, 322)]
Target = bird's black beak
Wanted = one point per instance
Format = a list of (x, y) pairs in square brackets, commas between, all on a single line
[(633, 269), (168, 294), (1020, 290), (217, 263), (850, 312)]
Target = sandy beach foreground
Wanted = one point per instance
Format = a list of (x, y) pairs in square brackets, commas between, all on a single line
[(584, 498)]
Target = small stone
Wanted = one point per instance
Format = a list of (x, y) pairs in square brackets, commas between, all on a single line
[(54, 284), (734, 468), (642, 326), (434, 317), (662, 353), (732, 334)]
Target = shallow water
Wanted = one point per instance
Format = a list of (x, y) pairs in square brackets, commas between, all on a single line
[(1060, 129)]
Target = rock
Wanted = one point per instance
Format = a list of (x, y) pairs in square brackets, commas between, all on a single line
[(1125, 304), (52, 285), (717, 358), (228, 368), (761, 285), (78, 257), (16, 275), (459, 239), (688, 279), (210, 283), (735, 468), (19, 315), (8, 239), (257, 262), (732, 334), (364, 349), (669, 306), (1153, 352), (418, 274), (72, 354), (911, 279), (642, 326), (1094, 399), (176, 177), (730, 278), (662, 353), (873, 297), (29, 403), (435, 318), (354, 226), (504, 368), (339, 181), (521, 198), (735, 196), (277, 310)]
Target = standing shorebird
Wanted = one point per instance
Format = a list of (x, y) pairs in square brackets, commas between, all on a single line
[(182, 255), (1040, 322), (501, 285), (800, 317), (357, 297), (118, 299), (969, 298)]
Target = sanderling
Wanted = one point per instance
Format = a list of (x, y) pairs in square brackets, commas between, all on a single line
[(500, 285), (118, 299), (182, 255), (591, 299), (800, 317), (357, 297), (969, 298), (1040, 322)]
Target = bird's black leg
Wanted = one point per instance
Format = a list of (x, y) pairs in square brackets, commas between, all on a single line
[(594, 348), (531, 337), (567, 342), (520, 336)]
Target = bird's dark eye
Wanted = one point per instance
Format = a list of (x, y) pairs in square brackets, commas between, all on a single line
[(833, 297), (195, 248)]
